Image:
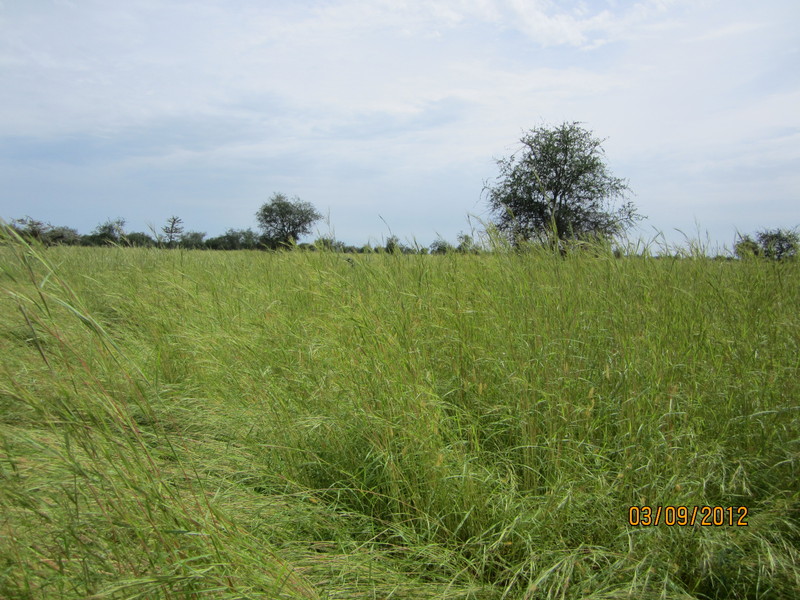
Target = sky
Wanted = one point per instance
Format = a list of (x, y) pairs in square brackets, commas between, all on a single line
[(389, 115)]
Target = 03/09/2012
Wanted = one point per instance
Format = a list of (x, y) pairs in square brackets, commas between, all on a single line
[(704, 516)]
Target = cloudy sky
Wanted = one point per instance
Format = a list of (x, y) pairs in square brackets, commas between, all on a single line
[(387, 115)]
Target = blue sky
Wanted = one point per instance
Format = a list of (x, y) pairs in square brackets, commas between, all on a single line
[(390, 111)]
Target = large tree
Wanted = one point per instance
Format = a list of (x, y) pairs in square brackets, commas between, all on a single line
[(283, 221), (557, 185)]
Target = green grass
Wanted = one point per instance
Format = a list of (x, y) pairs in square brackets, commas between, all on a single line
[(187, 424)]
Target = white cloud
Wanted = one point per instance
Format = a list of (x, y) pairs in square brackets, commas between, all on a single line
[(728, 30)]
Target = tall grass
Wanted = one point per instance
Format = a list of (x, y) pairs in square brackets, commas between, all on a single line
[(246, 425)]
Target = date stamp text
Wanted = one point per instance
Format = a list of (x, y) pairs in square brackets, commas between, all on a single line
[(703, 516)]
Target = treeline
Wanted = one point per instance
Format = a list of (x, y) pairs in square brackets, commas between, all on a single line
[(776, 244), (173, 235), (558, 194)]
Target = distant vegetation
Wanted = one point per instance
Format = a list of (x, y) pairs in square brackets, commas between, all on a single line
[(113, 233), (555, 191), (313, 425), (777, 244)]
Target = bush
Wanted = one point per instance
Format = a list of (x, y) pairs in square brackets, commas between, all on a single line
[(775, 244)]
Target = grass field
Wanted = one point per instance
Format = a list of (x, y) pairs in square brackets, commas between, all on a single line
[(190, 424)]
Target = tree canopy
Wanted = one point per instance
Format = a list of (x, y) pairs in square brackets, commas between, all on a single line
[(558, 185), (109, 232), (283, 221), (777, 244)]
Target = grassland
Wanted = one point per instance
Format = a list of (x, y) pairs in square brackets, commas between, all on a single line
[(189, 424)]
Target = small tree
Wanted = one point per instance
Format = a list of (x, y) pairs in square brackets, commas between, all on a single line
[(284, 222), (557, 186), (217, 243), (192, 239), (62, 236), (466, 245), (172, 230), (746, 247), (778, 244), (329, 244), (234, 239), (139, 239), (31, 229), (441, 246), (110, 232), (393, 245)]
